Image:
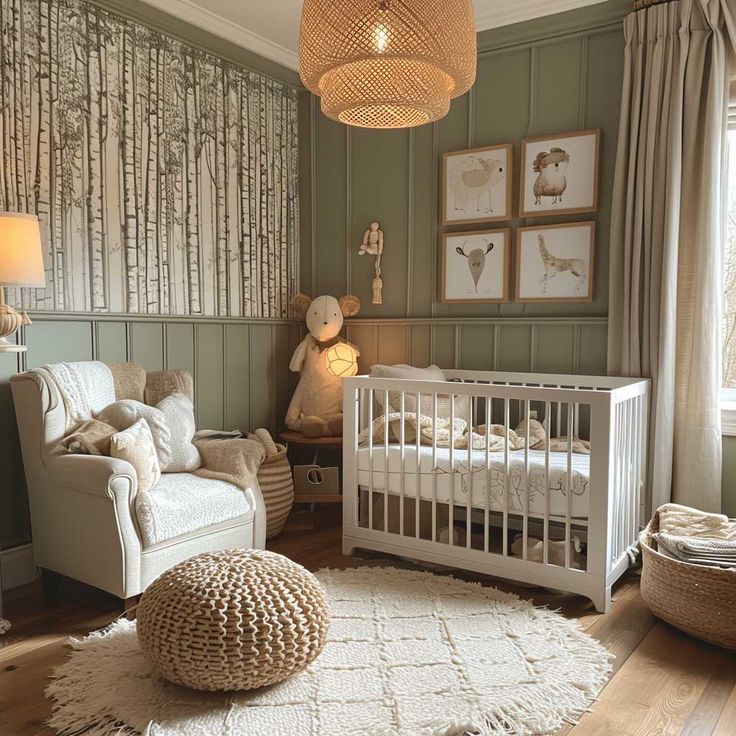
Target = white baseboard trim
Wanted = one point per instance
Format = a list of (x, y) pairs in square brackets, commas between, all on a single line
[(18, 566)]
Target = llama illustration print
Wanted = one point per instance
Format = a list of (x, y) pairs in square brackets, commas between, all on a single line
[(554, 263), (477, 185), (554, 266), (475, 267), (551, 180), (559, 174)]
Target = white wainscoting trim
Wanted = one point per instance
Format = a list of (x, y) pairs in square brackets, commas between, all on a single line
[(18, 566)]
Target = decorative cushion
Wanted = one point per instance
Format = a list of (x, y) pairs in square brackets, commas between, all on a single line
[(135, 445), (235, 620), (410, 373), (89, 438), (182, 503), (129, 379), (178, 412), (124, 414), (160, 384)]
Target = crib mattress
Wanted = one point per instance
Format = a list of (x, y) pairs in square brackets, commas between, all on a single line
[(460, 474)]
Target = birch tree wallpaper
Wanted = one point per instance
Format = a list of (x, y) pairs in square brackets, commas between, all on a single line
[(165, 179)]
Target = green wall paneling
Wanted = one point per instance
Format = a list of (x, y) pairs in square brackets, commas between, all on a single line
[(51, 342), (179, 347), (237, 376), (146, 341), (210, 389), (111, 341), (263, 364)]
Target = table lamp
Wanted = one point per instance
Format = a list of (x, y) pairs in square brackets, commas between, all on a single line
[(21, 264)]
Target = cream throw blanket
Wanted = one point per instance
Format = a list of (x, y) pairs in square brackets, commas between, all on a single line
[(441, 432), (234, 460), (85, 388), (686, 522)]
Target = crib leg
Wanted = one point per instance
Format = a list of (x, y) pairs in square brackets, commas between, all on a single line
[(602, 600), (348, 549)]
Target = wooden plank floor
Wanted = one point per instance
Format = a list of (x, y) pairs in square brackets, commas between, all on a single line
[(665, 683)]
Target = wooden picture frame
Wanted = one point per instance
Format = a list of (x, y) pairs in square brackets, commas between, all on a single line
[(468, 177), (574, 190), (563, 243), (479, 278)]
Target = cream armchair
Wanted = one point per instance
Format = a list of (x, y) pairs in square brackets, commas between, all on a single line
[(83, 507)]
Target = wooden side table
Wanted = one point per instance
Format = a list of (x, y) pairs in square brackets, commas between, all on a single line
[(318, 446)]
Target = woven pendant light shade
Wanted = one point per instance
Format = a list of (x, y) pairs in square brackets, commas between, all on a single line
[(387, 63)]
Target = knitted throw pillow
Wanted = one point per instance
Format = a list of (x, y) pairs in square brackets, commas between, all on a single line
[(135, 445), (124, 414), (178, 412)]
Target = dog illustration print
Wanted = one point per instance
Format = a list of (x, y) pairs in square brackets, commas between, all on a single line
[(553, 266)]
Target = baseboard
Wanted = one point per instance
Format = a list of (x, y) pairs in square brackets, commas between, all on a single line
[(18, 566)]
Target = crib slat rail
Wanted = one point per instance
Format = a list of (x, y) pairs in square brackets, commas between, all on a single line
[(452, 482)]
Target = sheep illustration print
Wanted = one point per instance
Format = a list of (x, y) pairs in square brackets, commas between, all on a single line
[(475, 267), (554, 263), (559, 174), (165, 179), (477, 185)]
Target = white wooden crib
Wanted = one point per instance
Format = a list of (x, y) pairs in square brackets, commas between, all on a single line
[(474, 502)]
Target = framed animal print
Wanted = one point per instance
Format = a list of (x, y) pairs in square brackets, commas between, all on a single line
[(476, 185), (554, 263), (475, 267), (559, 174)]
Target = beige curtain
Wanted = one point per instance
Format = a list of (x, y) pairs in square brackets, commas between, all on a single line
[(667, 236)]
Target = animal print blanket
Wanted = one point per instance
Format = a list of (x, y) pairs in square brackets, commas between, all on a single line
[(443, 431)]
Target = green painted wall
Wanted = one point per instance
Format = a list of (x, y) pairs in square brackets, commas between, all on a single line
[(550, 75)]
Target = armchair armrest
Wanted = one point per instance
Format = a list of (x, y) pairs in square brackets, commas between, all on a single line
[(97, 475)]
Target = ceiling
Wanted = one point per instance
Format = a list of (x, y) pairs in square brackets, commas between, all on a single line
[(270, 28)]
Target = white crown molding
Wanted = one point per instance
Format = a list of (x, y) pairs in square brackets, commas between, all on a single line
[(216, 24), (492, 17)]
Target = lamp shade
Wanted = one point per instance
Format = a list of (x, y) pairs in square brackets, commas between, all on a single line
[(387, 63), (21, 258)]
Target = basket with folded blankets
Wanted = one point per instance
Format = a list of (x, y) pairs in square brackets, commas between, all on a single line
[(689, 572)]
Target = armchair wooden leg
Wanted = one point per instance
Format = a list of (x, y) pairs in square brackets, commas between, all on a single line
[(130, 603), (50, 585)]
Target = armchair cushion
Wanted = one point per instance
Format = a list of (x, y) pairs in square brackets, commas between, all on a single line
[(182, 503), (129, 380), (124, 414), (178, 412), (136, 445)]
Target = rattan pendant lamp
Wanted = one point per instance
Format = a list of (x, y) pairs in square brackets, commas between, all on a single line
[(387, 63)]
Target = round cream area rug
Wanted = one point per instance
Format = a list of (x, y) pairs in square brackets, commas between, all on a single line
[(408, 654)]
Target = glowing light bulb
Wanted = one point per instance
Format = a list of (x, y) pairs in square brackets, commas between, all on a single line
[(380, 36)]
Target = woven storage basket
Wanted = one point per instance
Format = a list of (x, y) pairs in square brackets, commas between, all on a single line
[(233, 620), (697, 599), (277, 484)]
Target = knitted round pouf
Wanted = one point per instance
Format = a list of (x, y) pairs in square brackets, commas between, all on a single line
[(233, 620)]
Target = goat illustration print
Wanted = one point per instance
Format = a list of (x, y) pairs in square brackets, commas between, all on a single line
[(553, 266), (551, 181), (475, 267), (476, 260)]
